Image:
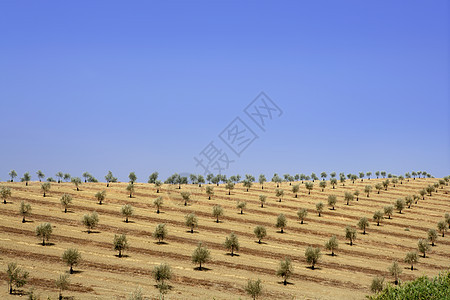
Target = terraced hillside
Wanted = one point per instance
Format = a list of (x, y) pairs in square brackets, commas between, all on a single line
[(103, 275)]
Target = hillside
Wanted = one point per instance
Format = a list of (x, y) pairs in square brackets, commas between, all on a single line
[(102, 275)]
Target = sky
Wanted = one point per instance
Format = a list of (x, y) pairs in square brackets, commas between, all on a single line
[(148, 86)]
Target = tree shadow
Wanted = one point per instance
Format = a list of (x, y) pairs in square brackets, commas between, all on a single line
[(202, 269), (234, 254), (189, 231), (315, 268), (91, 232), (28, 221), (279, 231), (46, 244), (161, 243), (287, 283), (69, 211), (329, 254), (123, 255), (129, 221), (75, 272), (262, 243)]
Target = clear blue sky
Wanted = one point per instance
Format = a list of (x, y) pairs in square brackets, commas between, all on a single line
[(145, 85)]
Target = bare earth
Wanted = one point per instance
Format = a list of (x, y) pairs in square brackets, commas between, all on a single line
[(102, 275)]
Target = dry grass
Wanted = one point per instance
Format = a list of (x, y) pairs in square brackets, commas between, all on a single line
[(102, 275)]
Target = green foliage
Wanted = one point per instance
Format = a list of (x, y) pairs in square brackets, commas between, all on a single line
[(127, 211), (241, 205), (285, 270), (160, 232), (348, 197), (217, 212), (65, 200), (232, 243), (332, 244), (295, 189), (130, 189), (323, 185), (44, 232), (377, 284), (332, 199), (229, 187), (302, 213), (210, 191), (40, 175), (24, 210), (132, 177), (26, 177), (153, 177), (367, 190), (411, 258), (45, 187), (100, 197), (186, 197), (120, 243), (423, 247), (435, 288), (395, 270), (312, 256), (158, 184), (260, 233), (279, 193), (158, 202), (281, 222), (432, 236), (319, 208), (309, 186), (162, 273), (356, 193), (262, 199), (136, 294), (350, 234), (363, 223), (110, 178), (442, 227), (90, 221), (191, 221), (201, 255), (62, 283), (77, 182), (71, 257), (16, 276), (254, 288), (378, 217), (388, 211), (399, 205)]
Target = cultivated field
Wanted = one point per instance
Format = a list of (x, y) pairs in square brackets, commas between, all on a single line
[(103, 275)]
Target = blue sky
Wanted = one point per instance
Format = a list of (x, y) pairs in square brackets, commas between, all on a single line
[(145, 86)]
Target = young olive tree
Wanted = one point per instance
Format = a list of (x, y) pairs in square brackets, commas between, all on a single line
[(367, 190), (348, 197), (66, 200), (77, 182), (309, 186), (319, 208), (411, 258), (217, 212), (158, 203), (285, 270), (295, 189), (71, 257), (442, 227), (127, 211), (44, 232), (191, 221), (281, 222), (130, 189), (62, 283), (232, 243), (312, 256), (363, 223), (262, 199), (90, 221), (432, 236), (332, 244), (201, 255), (399, 205), (241, 205), (210, 191), (161, 274), (160, 232), (260, 233), (45, 187), (120, 243), (302, 213), (423, 247), (254, 288), (24, 210), (395, 271), (26, 178), (262, 180), (229, 186), (100, 196), (186, 197), (388, 211), (279, 193), (332, 199), (323, 185), (378, 217), (350, 234), (5, 193), (16, 276)]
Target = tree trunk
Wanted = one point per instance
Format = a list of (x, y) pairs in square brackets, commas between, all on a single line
[(71, 270), (120, 253), (23, 220), (281, 230), (26, 183), (126, 220), (209, 197), (259, 242), (43, 242), (157, 190), (351, 243), (412, 267), (185, 203), (217, 220), (262, 205), (65, 209), (200, 268), (60, 296), (192, 230), (285, 282), (295, 195), (312, 267), (301, 222), (332, 253), (44, 194), (229, 192), (157, 211), (78, 189), (241, 212)]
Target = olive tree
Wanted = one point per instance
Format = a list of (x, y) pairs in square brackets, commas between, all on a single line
[(254, 288), (45, 187), (262, 180), (295, 189), (378, 187), (191, 221), (44, 232), (247, 184), (350, 234), (409, 201), (201, 255), (100, 197), (348, 197), (262, 199), (356, 193), (309, 186), (77, 182), (395, 271), (332, 199), (62, 283), (302, 213), (388, 211), (24, 210), (260, 233), (153, 177), (110, 178), (12, 174), (120, 243), (285, 270), (67, 177), (186, 197), (363, 223), (158, 203), (386, 184), (332, 244), (432, 236), (210, 191), (66, 200), (90, 221), (127, 211), (312, 256), (241, 205), (323, 185), (232, 243), (422, 193), (281, 222), (442, 227), (130, 189), (423, 247), (279, 193), (377, 284), (26, 178), (319, 208), (132, 176), (378, 216), (158, 185), (160, 232), (161, 274), (411, 258), (40, 175), (17, 277), (367, 190), (71, 257), (229, 186), (399, 205), (217, 212)]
